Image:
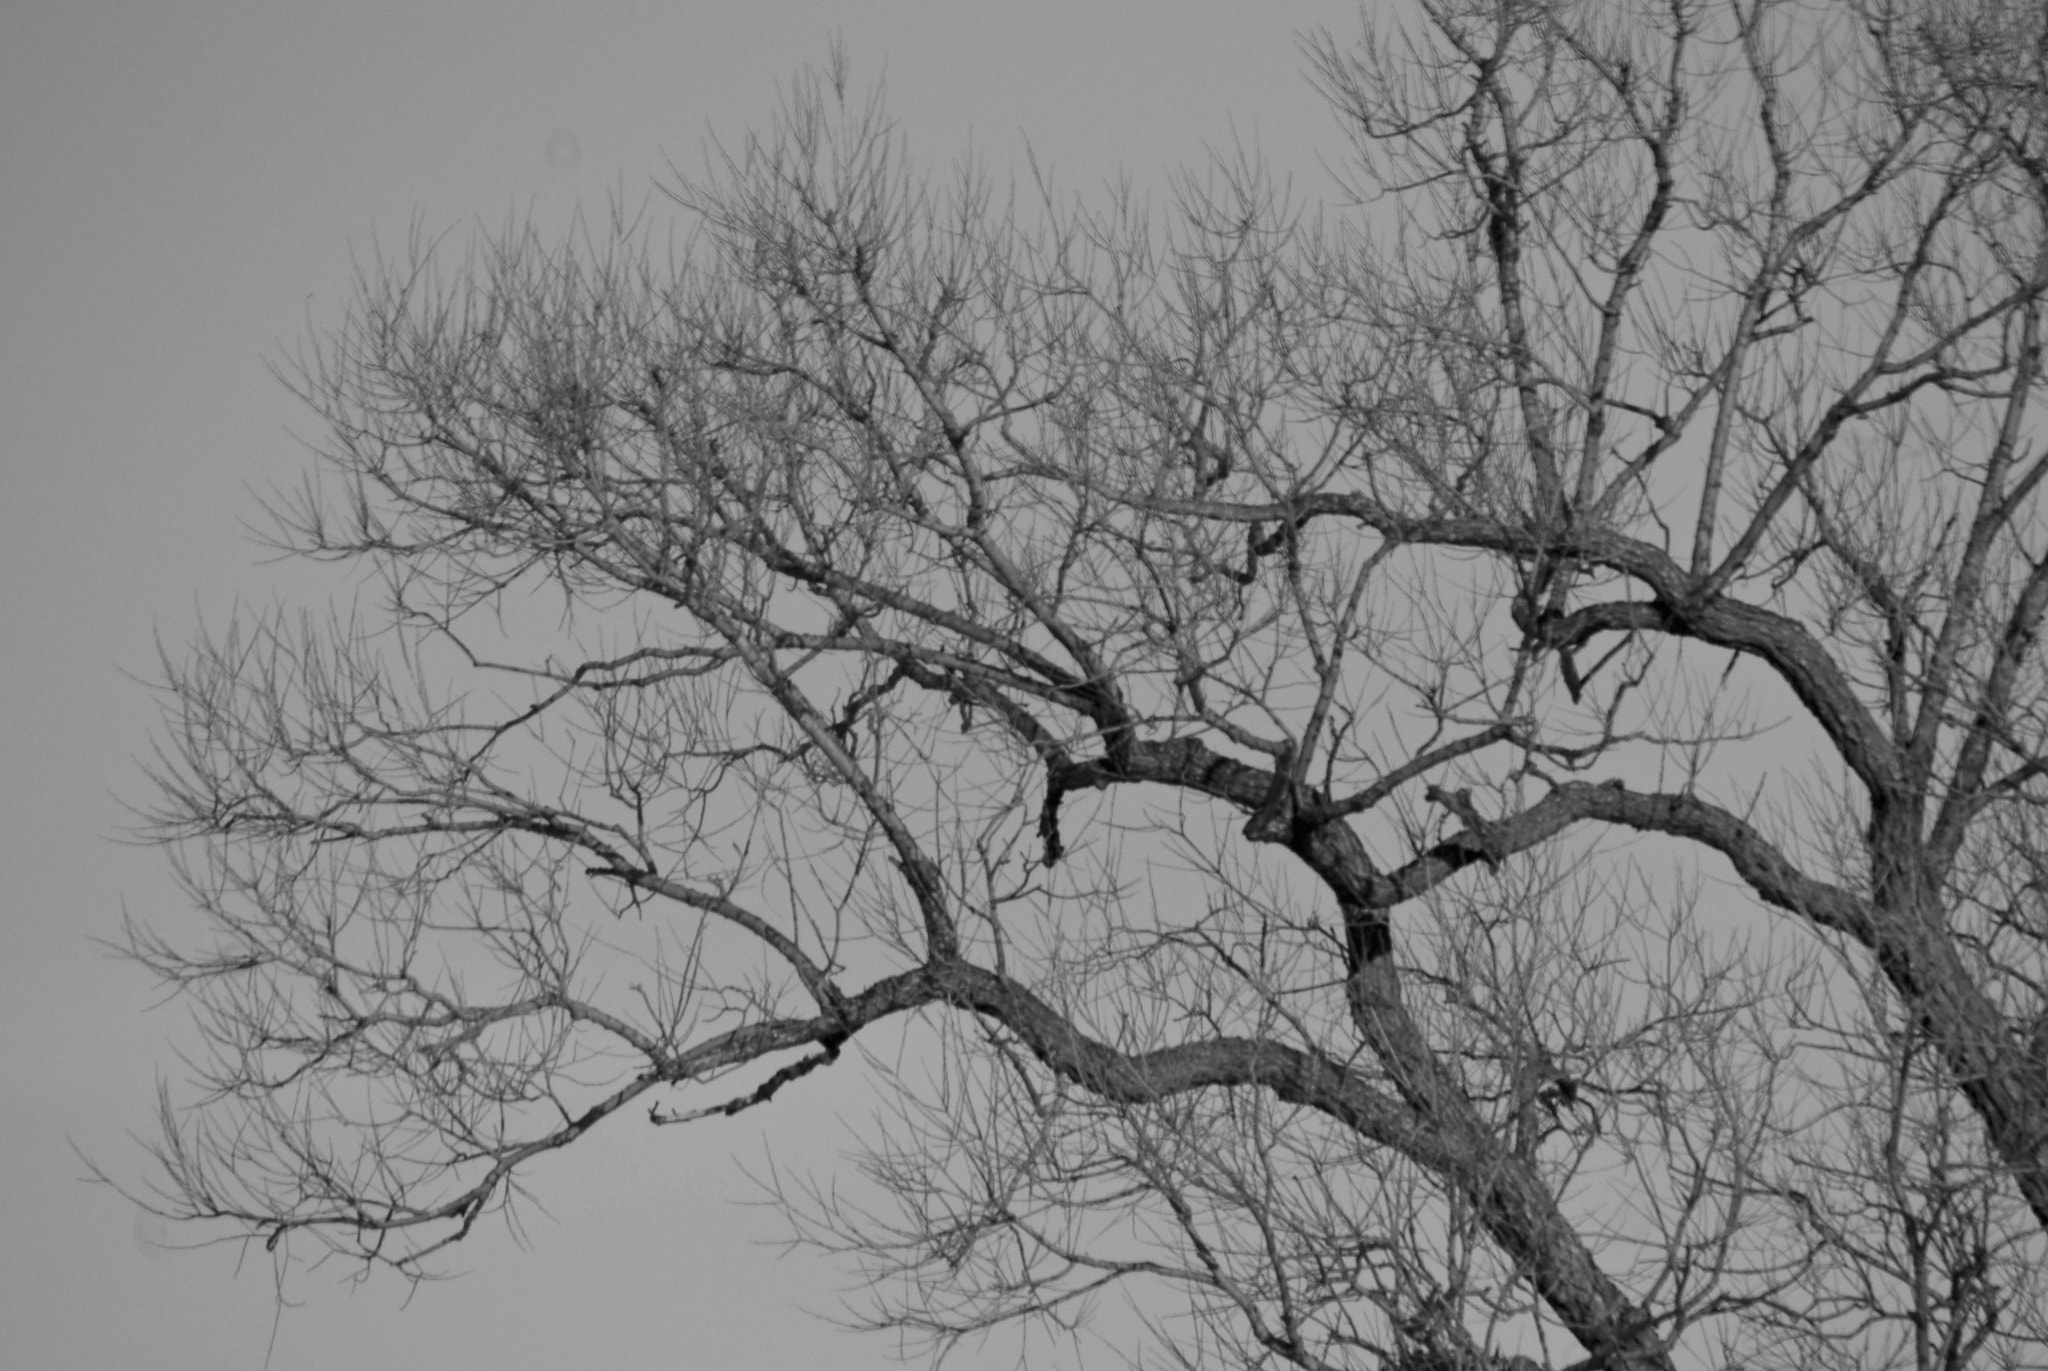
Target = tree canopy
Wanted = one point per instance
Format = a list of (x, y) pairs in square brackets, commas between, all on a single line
[(1453, 778)]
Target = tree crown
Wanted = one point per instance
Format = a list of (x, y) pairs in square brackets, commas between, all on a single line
[(1455, 783)]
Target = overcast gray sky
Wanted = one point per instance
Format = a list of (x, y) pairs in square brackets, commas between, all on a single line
[(181, 188)]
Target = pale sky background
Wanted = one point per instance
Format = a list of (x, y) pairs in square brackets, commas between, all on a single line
[(181, 188)]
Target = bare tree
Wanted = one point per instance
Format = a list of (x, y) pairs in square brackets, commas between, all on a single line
[(1456, 782)]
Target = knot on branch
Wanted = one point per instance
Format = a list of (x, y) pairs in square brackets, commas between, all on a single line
[(1480, 833), (1275, 819)]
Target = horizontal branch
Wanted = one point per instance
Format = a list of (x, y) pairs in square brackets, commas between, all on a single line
[(1293, 1075)]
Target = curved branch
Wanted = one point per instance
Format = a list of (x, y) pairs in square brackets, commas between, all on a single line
[(1676, 607)]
